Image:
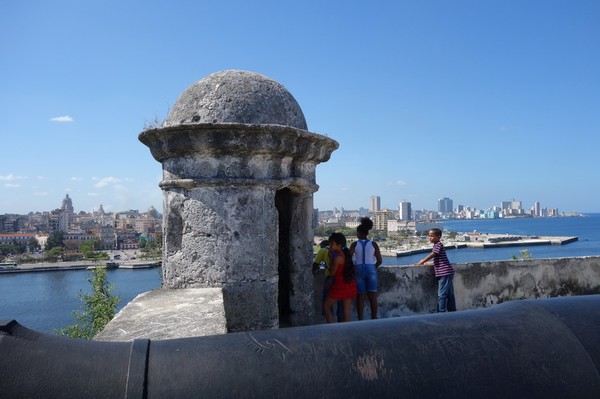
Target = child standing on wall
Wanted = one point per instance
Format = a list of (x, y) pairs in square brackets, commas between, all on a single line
[(443, 272)]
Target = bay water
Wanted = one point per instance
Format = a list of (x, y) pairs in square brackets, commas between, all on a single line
[(586, 228), (45, 301)]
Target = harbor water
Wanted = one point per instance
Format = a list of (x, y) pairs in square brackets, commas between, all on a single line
[(45, 301), (586, 228)]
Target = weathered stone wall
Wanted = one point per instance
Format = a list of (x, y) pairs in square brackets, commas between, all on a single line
[(405, 290)]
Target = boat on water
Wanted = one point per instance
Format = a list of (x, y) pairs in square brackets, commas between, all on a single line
[(7, 265)]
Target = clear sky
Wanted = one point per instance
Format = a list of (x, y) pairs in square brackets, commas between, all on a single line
[(478, 101)]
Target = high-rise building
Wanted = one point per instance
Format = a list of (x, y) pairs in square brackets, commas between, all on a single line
[(380, 219), (513, 207), (537, 209), (404, 210), (66, 214), (375, 205), (445, 205)]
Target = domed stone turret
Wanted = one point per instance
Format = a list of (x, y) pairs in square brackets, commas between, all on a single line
[(237, 97), (238, 182)]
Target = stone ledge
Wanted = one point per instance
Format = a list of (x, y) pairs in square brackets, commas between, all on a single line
[(168, 314)]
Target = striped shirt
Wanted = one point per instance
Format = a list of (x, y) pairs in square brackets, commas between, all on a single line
[(441, 264)]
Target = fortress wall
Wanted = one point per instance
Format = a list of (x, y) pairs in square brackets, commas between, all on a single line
[(405, 290)]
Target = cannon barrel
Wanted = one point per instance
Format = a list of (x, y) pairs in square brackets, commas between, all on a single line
[(533, 348)]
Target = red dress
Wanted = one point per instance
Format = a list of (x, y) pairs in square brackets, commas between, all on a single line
[(340, 288)]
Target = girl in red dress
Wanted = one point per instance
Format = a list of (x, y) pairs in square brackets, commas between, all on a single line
[(342, 270)]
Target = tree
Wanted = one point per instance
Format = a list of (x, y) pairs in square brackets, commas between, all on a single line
[(56, 239), (98, 308), (524, 255), (143, 241), (54, 254), (87, 249), (34, 244)]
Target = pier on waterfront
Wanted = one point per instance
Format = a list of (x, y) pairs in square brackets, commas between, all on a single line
[(81, 265), (487, 241)]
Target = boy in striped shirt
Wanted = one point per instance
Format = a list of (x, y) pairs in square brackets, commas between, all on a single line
[(443, 272)]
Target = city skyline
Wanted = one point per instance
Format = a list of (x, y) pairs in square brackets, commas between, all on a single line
[(406, 206), (474, 101), (374, 203)]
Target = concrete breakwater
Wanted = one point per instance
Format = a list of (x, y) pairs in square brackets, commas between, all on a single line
[(487, 241), (79, 265)]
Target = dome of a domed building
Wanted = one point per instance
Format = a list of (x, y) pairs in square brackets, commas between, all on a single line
[(234, 96)]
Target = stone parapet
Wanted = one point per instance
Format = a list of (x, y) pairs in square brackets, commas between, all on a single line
[(403, 291), (406, 290), (167, 314)]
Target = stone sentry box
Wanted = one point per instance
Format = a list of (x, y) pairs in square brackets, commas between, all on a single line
[(238, 181)]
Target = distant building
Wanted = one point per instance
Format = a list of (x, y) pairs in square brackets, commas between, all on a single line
[(375, 205), (396, 226), (404, 210), (381, 218), (537, 209), (511, 208), (65, 217), (445, 206), (16, 238)]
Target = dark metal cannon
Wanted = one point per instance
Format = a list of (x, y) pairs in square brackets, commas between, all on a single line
[(521, 349)]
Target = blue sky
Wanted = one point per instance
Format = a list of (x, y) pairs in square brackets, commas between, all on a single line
[(478, 101)]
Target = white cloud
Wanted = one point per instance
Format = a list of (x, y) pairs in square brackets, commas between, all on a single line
[(64, 118), (105, 181), (12, 177), (41, 194), (93, 194), (397, 183), (12, 185), (76, 178)]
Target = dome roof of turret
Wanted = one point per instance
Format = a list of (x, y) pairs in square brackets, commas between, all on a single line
[(235, 96)]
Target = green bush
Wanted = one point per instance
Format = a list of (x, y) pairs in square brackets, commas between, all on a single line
[(98, 308)]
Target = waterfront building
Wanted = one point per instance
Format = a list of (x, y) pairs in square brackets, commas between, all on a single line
[(553, 212), (15, 238), (511, 208), (491, 214), (537, 209)]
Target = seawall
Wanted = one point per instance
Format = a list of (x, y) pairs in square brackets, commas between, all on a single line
[(403, 291), (406, 290)]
